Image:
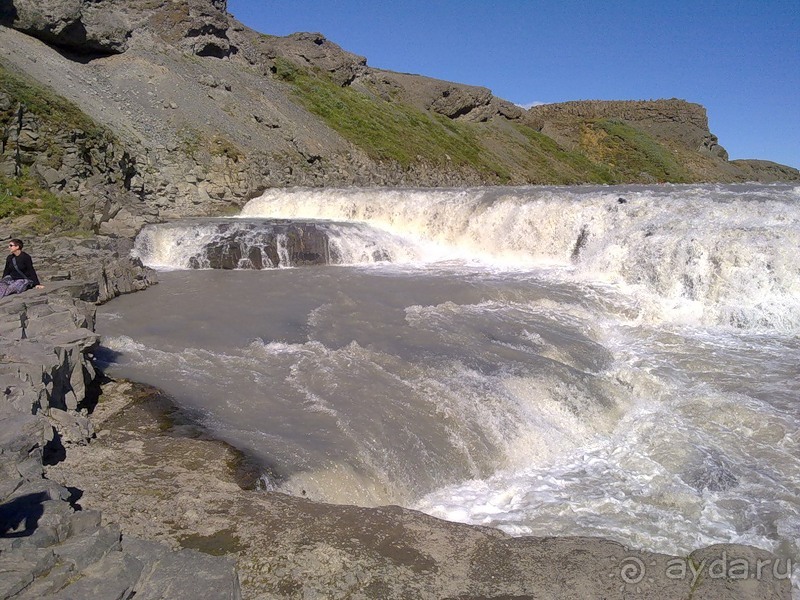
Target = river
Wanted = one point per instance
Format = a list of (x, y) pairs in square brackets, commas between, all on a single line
[(613, 361)]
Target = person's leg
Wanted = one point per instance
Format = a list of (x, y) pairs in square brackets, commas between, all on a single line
[(17, 286)]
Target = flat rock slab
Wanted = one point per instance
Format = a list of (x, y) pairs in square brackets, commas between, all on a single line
[(210, 578), (19, 569), (113, 578)]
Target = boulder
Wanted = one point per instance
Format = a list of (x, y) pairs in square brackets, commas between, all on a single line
[(81, 26), (314, 50)]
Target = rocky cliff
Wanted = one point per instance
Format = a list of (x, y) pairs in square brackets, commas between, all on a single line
[(50, 547), (147, 109)]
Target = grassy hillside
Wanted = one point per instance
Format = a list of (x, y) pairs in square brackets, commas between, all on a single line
[(42, 102), (610, 150), (499, 151), (630, 153)]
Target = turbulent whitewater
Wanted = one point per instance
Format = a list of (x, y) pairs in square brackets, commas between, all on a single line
[(723, 254), (613, 361)]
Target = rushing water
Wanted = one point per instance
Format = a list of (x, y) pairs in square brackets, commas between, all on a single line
[(620, 362)]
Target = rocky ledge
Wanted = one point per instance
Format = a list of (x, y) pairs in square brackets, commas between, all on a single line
[(106, 491), (51, 547)]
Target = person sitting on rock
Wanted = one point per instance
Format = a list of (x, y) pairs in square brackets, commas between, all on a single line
[(19, 274)]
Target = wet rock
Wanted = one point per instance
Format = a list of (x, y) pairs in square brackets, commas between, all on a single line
[(710, 471), (260, 247), (580, 243)]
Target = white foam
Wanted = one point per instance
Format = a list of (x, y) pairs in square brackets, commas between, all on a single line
[(720, 255), (680, 470)]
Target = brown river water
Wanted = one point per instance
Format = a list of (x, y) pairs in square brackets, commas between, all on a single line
[(620, 362)]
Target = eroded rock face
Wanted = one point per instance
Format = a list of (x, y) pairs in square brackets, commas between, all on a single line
[(453, 100), (105, 26), (683, 122), (314, 50), (76, 25), (199, 27)]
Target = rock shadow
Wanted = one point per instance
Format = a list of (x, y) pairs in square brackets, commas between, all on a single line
[(54, 451), (22, 512)]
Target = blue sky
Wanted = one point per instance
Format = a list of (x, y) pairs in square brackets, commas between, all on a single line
[(739, 59)]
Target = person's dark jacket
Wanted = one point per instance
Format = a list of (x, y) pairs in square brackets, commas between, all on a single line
[(24, 264)]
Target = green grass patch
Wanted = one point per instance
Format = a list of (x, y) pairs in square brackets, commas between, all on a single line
[(557, 165), (634, 155), (21, 196), (284, 69), (57, 214), (13, 192), (391, 130)]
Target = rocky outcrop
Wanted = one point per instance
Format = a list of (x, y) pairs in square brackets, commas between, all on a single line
[(452, 100), (98, 27), (77, 25), (104, 261), (49, 546), (315, 51), (45, 343), (200, 27), (674, 120), (765, 170)]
